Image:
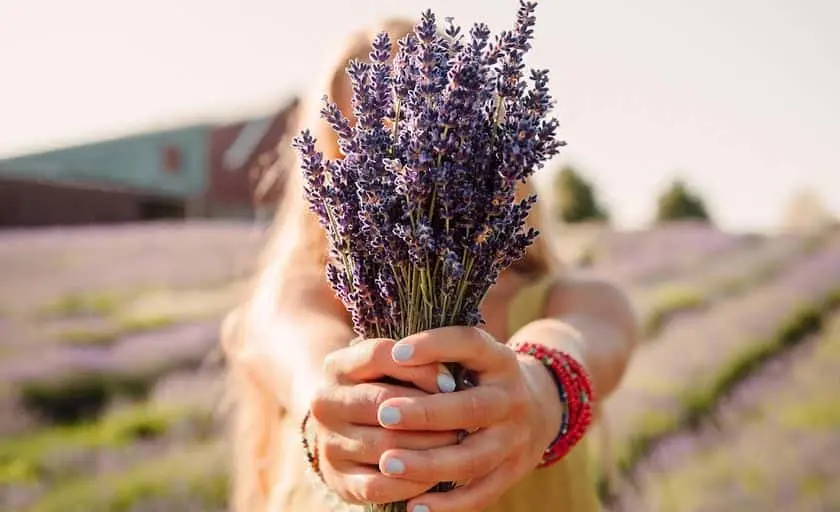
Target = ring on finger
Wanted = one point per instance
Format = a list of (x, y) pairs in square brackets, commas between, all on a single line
[(463, 434)]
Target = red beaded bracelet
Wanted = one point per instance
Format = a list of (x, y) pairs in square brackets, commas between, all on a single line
[(576, 394)]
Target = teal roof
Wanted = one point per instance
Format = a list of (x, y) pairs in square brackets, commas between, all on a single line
[(135, 162)]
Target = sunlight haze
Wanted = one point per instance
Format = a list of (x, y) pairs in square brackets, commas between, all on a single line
[(738, 96)]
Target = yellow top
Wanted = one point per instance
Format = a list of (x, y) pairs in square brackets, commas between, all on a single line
[(566, 486)]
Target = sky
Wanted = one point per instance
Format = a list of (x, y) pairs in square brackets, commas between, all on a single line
[(739, 97)]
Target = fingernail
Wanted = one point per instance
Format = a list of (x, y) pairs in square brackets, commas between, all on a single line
[(389, 416), (394, 466), (402, 352), (445, 382), (420, 508)]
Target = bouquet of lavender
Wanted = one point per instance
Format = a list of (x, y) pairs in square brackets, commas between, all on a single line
[(420, 213)]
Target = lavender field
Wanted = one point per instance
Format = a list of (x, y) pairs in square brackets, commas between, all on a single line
[(109, 370)]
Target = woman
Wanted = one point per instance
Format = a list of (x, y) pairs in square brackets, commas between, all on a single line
[(289, 352)]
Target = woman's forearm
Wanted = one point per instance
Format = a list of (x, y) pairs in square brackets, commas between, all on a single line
[(594, 322), (311, 337), (293, 340), (604, 357), (275, 351)]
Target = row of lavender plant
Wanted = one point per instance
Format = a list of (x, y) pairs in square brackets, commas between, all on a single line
[(736, 272), (684, 360), (660, 253), (40, 267), (763, 258), (179, 416), (773, 445), (146, 475)]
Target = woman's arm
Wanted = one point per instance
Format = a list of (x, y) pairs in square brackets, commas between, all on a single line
[(275, 345), (296, 333), (594, 322)]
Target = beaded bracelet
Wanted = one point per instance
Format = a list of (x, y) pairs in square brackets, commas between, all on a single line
[(311, 450), (576, 394)]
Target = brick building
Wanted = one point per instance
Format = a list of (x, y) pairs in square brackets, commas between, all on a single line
[(240, 155), (194, 171)]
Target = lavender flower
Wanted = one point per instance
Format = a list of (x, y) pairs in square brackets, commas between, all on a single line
[(421, 213)]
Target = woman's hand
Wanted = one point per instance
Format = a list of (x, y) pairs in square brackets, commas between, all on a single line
[(515, 405), (350, 439)]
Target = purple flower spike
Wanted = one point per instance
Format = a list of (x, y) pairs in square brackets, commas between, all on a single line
[(420, 211)]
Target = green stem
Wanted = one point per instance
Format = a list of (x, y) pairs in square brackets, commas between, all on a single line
[(401, 506), (344, 256), (462, 288), (400, 293), (396, 118)]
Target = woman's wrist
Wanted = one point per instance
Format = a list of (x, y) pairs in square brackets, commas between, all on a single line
[(546, 398), (559, 378), (557, 335)]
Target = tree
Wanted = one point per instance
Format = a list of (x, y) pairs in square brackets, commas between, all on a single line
[(680, 202), (575, 198), (806, 211)]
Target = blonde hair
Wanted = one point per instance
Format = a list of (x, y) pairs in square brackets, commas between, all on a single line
[(297, 251)]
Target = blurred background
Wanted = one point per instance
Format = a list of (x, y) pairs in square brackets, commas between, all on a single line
[(139, 168)]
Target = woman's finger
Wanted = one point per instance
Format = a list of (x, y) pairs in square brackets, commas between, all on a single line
[(469, 346), (358, 360), (475, 457), (358, 404), (476, 495), (370, 360), (360, 484), (470, 409), (365, 445)]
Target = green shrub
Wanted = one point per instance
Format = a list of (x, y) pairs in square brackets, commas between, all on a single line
[(29, 457), (134, 324), (109, 335), (87, 337), (81, 304), (80, 397), (802, 323), (668, 303), (680, 202), (575, 198), (190, 479)]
